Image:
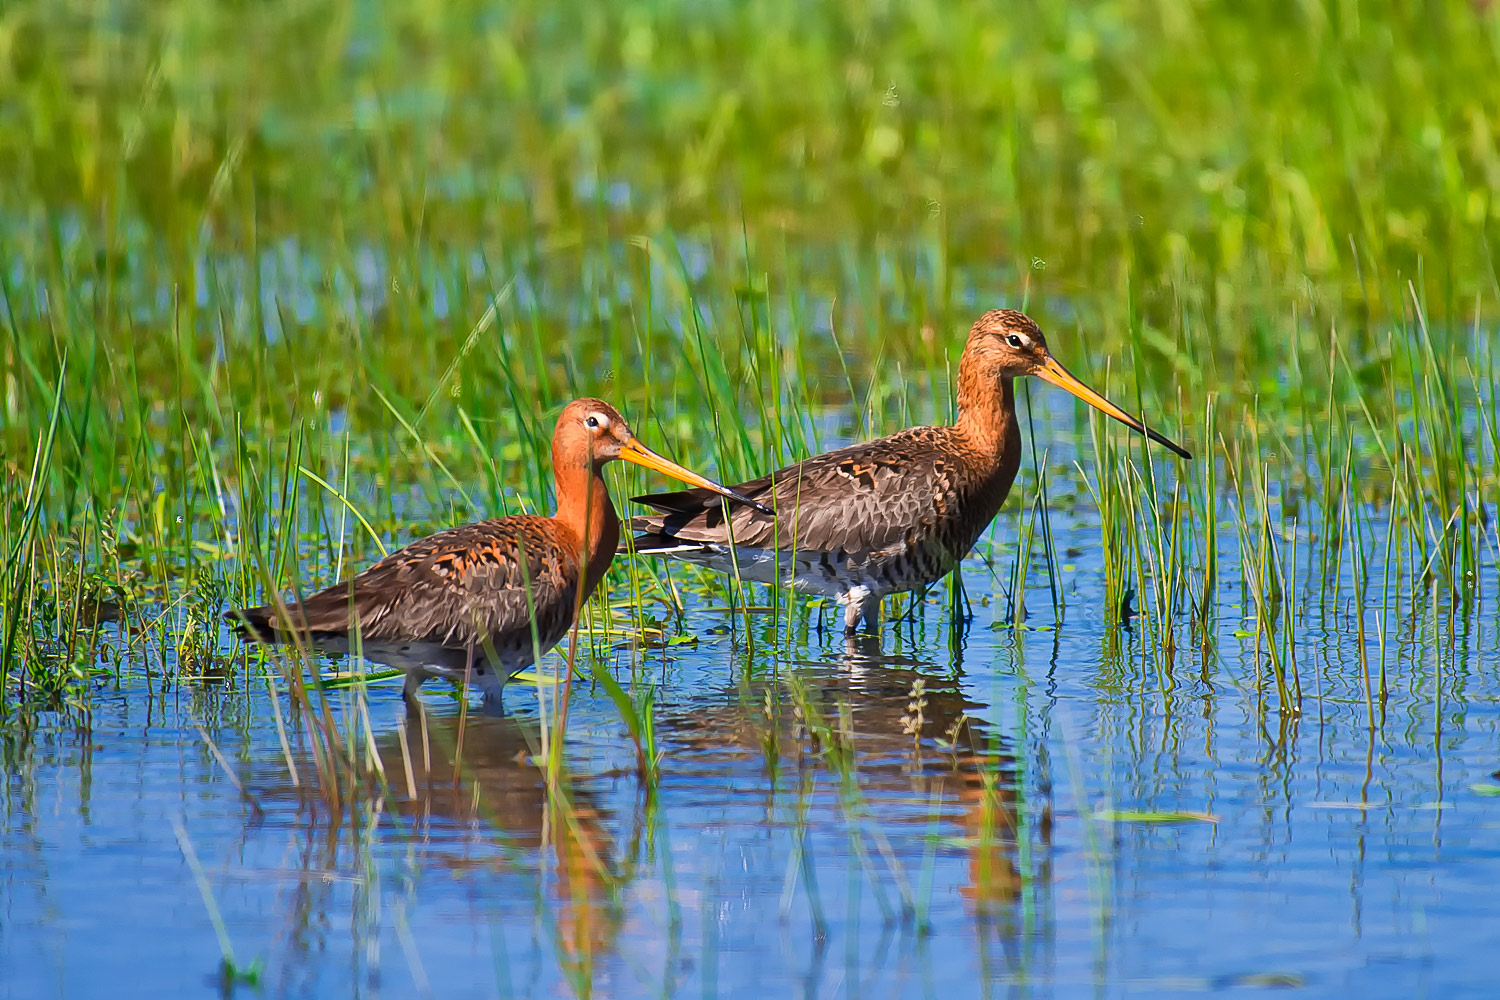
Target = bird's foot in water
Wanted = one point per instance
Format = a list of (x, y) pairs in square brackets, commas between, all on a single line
[(861, 623), (491, 704), (861, 610), (491, 701), (414, 679)]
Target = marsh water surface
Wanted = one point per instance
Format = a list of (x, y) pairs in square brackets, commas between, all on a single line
[(1067, 819)]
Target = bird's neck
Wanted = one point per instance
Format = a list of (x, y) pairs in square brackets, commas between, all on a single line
[(583, 505), (992, 437), (987, 416)]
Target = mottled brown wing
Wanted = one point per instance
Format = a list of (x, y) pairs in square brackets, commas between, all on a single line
[(857, 499), (461, 587)]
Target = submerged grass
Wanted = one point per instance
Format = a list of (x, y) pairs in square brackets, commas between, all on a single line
[(286, 286)]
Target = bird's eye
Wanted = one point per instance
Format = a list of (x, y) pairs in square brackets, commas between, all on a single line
[(1014, 340), (592, 423)]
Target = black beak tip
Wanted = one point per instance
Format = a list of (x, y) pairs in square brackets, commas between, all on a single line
[(1168, 443), (731, 497)]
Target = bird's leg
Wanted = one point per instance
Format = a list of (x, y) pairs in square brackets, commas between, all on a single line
[(859, 604), (463, 711), (414, 679), (491, 683), (967, 615), (851, 613)]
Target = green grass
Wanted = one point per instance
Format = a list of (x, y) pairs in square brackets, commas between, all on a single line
[(287, 283)]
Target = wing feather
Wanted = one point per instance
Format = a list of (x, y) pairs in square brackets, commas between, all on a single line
[(461, 587), (863, 498)]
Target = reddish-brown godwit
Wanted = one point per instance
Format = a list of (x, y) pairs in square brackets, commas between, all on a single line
[(890, 515), (482, 601)]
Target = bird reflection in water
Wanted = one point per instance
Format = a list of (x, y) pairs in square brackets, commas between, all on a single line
[(882, 747), (495, 810), (498, 786), (902, 739)]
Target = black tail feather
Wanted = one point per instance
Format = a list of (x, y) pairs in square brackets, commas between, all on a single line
[(266, 624), (688, 502), (254, 624)]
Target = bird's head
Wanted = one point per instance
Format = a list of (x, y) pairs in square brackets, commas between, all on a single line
[(1007, 343), (591, 432)]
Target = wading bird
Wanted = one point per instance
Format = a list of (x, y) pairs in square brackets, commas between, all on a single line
[(891, 515), (481, 602)]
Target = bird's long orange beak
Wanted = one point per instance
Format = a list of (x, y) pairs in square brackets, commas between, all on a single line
[(1051, 371), (634, 451)]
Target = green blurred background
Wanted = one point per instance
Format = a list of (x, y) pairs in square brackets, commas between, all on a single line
[(1225, 159), (412, 230)]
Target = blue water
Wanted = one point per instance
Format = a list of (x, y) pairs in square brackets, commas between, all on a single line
[(799, 841)]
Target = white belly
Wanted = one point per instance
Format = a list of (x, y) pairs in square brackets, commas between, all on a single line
[(830, 574)]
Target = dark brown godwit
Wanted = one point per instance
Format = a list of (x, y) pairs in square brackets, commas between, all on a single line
[(462, 603), (891, 515)]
